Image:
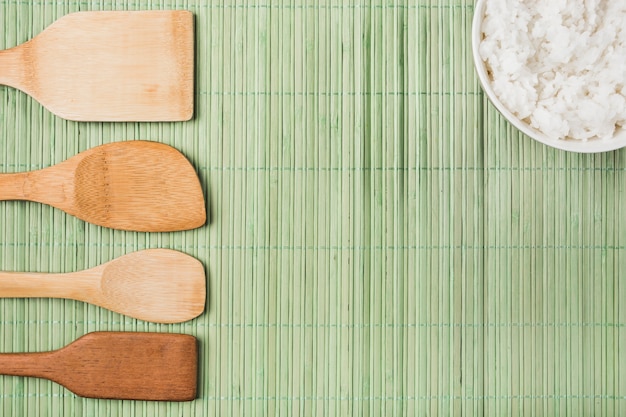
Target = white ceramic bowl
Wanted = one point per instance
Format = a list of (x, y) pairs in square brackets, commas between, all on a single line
[(572, 145)]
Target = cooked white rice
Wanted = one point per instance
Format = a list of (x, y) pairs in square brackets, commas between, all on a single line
[(559, 65)]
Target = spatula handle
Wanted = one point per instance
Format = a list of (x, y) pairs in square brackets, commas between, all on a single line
[(49, 186), (75, 285), (12, 67), (14, 186), (38, 365)]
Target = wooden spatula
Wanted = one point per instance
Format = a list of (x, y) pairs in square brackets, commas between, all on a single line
[(109, 66), (116, 365), (158, 285), (136, 185)]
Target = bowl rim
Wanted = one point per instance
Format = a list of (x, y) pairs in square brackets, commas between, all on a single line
[(571, 145)]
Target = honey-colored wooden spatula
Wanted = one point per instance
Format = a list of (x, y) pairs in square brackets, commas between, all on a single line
[(135, 185), (116, 365), (158, 285), (109, 66)]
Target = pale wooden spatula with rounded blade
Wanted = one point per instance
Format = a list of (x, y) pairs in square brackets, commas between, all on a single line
[(135, 185), (158, 285), (117, 365), (109, 66)]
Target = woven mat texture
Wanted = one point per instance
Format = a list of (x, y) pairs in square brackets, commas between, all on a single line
[(381, 242)]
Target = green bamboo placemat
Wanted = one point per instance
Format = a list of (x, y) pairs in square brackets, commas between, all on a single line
[(380, 243)]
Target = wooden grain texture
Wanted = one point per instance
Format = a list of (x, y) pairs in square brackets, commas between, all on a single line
[(109, 66), (117, 365), (134, 185), (158, 285)]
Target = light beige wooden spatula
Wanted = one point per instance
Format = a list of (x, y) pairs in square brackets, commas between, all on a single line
[(109, 66), (158, 285), (134, 185)]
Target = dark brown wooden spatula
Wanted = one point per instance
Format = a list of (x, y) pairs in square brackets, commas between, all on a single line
[(117, 365), (134, 185), (109, 66)]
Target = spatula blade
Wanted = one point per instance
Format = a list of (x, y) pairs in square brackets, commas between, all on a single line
[(129, 365), (114, 66)]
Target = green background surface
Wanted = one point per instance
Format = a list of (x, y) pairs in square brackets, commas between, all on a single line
[(381, 241)]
